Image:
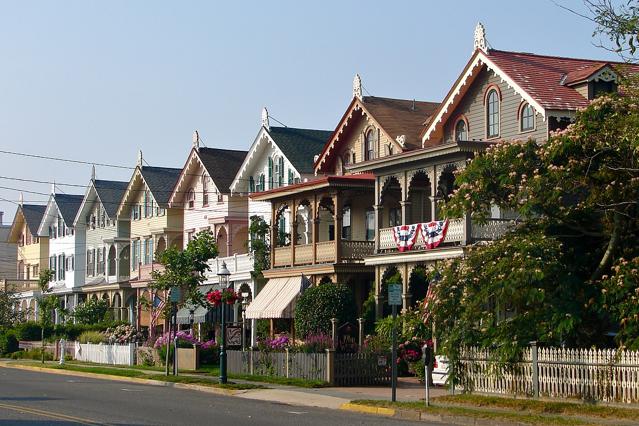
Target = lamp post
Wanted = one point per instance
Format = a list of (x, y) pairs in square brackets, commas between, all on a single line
[(224, 274), (191, 320), (245, 296)]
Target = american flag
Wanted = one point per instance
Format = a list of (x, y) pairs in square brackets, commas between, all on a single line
[(430, 297)]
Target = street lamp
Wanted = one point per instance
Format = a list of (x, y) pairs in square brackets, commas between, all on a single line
[(224, 274), (191, 320), (245, 302)]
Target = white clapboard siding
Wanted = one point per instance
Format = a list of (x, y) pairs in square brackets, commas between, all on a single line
[(105, 354)]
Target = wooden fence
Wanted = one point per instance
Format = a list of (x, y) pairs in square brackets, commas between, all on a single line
[(606, 375), (106, 354), (341, 369)]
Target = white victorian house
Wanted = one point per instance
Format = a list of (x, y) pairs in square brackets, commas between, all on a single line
[(66, 247), (106, 275)]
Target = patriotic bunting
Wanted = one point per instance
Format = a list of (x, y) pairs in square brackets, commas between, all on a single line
[(405, 236), (433, 233)]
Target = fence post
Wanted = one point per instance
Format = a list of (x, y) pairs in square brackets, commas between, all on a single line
[(334, 332), (287, 361), (330, 366), (535, 368), (132, 353), (360, 322), (251, 362)]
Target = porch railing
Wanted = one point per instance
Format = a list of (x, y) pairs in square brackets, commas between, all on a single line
[(325, 252), (236, 264), (19, 285)]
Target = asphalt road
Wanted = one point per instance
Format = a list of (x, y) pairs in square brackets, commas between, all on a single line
[(35, 398)]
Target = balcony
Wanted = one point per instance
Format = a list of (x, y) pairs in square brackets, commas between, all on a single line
[(19, 285), (239, 265), (491, 230), (325, 252), (144, 271)]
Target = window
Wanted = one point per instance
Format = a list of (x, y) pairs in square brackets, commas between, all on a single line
[(370, 225), (461, 131), (135, 254), (205, 190), (36, 271), (251, 184), (270, 173), (370, 145), (280, 175), (100, 263), (346, 159), (281, 230), (189, 236), (60, 266), (346, 223), (220, 197), (190, 198), (102, 219), (394, 216), (147, 251), (291, 177), (262, 183), (492, 114), (527, 120)]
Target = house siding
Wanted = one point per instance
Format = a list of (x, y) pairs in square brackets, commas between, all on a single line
[(473, 108), (8, 254)]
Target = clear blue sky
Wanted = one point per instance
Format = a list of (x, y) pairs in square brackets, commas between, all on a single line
[(97, 81)]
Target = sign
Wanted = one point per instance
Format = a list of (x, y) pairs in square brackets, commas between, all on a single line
[(395, 294), (381, 361), (175, 294), (233, 336)]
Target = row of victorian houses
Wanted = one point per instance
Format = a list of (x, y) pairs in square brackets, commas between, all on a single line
[(345, 205)]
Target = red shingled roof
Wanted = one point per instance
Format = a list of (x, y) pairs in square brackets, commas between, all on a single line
[(546, 78)]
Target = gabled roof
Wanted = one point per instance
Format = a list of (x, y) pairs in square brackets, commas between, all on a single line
[(33, 215), (110, 193), (396, 117), (543, 81), (222, 165), (68, 206), (300, 146), (160, 181), (346, 181)]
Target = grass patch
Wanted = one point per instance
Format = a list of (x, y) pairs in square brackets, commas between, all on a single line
[(204, 382), (281, 380), (541, 407), (98, 370), (525, 418)]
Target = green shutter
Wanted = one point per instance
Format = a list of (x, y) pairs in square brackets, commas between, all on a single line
[(270, 173)]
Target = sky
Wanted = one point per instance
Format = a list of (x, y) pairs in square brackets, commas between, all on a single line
[(97, 81)]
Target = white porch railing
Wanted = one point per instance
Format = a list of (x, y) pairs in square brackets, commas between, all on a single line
[(105, 354), (236, 264)]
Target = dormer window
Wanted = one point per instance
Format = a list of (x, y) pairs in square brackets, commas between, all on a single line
[(190, 198), (492, 114), (369, 153), (527, 118), (461, 130)]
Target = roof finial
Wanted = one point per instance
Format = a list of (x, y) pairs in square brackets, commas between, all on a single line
[(53, 187), (265, 122), (140, 158), (480, 38), (21, 199), (93, 172), (357, 87), (196, 140)]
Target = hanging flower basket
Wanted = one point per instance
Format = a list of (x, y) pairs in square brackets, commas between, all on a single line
[(217, 297)]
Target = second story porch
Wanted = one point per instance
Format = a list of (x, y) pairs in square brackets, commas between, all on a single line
[(326, 221)]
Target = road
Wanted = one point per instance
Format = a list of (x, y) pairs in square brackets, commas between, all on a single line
[(36, 398)]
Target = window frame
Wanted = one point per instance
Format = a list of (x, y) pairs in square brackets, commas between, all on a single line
[(369, 154), (461, 120), (522, 108), (490, 91)]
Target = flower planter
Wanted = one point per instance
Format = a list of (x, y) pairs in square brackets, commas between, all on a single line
[(189, 358)]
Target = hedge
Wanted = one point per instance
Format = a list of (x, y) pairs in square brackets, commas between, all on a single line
[(317, 305)]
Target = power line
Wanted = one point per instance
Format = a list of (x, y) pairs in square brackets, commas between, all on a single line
[(67, 160)]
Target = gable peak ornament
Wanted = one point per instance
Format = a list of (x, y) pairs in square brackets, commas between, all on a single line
[(53, 187), (140, 158), (196, 140), (21, 199), (480, 38), (265, 122), (401, 139), (357, 87), (93, 172)]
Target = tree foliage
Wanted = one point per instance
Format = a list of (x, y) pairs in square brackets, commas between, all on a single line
[(186, 268), (92, 311), (550, 279), (259, 246), (617, 22), (318, 304), (8, 315)]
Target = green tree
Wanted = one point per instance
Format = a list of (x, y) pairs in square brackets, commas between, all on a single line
[(8, 315), (259, 246), (318, 304), (47, 303), (185, 269), (92, 311)]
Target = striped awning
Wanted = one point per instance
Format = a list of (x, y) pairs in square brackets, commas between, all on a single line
[(277, 298)]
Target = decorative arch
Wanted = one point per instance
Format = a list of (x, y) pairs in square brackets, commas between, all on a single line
[(419, 207), (460, 119), (417, 283), (303, 222), (385, 182), (222, 238), (117, 307), (487, 90), (160, 246), (520, 111)]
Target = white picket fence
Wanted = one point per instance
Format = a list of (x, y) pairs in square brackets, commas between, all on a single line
[(607, 375), (105, 354)]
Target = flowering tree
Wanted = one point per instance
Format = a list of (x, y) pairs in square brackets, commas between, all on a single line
[(545, 280)]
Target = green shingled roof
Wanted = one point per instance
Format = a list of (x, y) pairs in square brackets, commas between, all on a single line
[(300, 145)]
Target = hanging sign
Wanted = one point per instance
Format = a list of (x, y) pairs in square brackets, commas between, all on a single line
[(395, 294)]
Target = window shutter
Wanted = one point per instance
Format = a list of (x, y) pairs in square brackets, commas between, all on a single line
[(270, 173)]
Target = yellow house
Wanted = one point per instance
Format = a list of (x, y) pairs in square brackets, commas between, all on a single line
[(154, 227)]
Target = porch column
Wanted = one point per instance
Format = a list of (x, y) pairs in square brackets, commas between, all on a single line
[(337, 220), (406, 296), (293, 233), (273, 234), (467, 229), (379, 214), (405, 210), (378, 296), (229, 239), (117, 261), (432, 171), (404, 203), (315, 227)]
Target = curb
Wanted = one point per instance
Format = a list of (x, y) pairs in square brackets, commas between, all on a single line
[(189, 386), (368, 409)]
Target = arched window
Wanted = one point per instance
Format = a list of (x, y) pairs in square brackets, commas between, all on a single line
[(190, 198), (370, 145), (492, 114), (527, 119), (346, 159), (205, 190), (461, 131)]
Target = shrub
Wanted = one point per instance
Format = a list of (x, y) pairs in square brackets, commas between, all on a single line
[(210, 353), (315, 343), (31, 331), (35, 353), (317, 305), (125, 333), (92, 311), (92, 337), (8, 342)]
